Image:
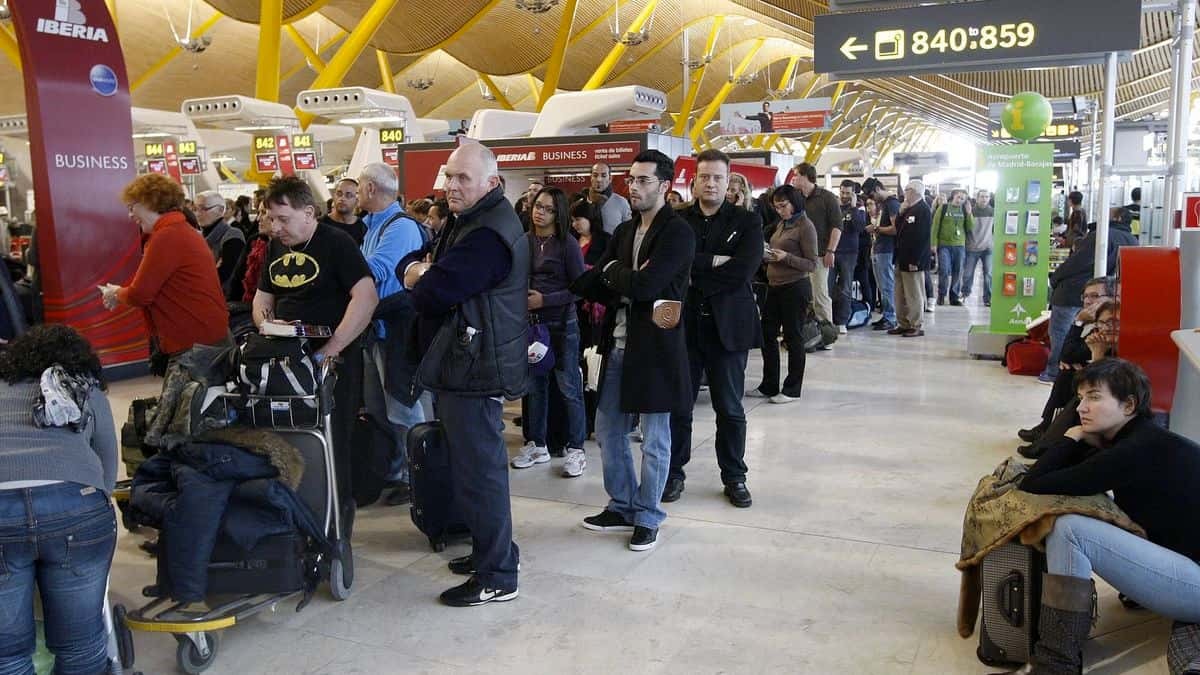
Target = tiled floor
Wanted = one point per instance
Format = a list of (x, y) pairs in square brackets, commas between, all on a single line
[(845, 563)]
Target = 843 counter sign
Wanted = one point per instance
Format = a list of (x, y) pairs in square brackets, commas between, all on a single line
[(961, 36)]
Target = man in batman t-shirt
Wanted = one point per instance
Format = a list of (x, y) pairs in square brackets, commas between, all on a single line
[(316, 274)]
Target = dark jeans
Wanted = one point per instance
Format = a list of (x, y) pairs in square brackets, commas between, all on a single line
[(865, 277), (569, 379), (63, 541), (726, 373), (1061, 395), (479, 466), (841, 284), (785, 308)]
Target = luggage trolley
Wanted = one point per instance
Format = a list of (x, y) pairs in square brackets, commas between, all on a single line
[(194, 628)]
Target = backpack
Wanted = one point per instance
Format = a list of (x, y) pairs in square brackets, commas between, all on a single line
[(1026, 357)]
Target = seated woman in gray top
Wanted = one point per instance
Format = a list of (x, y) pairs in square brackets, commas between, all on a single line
[(58, 465)]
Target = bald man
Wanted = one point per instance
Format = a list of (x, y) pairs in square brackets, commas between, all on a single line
[(472, 283)]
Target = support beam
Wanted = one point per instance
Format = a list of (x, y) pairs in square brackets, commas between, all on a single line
[(385, 71), (1100, 261), (174, 51), (500, 97), (350, 50), (270, 23), (606, 66), (112, 11), (697, 79), (862, 127), (8, 45), (821, 141), (714, 106), (558, 53), (320, 49), (788, 72), (533, 87), (811, 87), (314, 58)]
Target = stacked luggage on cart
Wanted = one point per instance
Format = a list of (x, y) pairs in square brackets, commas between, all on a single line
[(244, 497)]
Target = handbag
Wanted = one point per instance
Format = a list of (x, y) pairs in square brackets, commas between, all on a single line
[(278, 367), (541, 352)]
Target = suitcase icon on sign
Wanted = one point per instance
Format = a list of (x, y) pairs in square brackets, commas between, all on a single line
[(889, 45)]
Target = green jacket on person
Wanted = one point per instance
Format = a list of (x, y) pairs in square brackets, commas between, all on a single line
[(950, 226)]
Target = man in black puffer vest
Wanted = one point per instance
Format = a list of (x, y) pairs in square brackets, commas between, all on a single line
[(469, 289)]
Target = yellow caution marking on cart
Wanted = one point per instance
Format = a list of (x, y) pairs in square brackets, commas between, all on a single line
[(185, 627)]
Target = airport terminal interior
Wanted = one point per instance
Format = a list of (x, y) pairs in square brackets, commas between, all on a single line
[(599, 336)]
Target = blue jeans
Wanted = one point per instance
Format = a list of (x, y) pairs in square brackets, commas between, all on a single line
[(1158, 578), (400, 416), (1061, 318), (950, 267), (64, 541), (570, 384), (638, 503), (885, 278), (977, 258)]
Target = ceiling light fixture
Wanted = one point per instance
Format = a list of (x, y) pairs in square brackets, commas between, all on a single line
[(420, 83), (536, 6), (630, 38)]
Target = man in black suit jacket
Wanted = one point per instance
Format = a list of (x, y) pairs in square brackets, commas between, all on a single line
[(645, 369), (914, 227), (722, 324)]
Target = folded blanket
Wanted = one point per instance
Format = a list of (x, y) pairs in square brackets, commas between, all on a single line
[(999, 511)]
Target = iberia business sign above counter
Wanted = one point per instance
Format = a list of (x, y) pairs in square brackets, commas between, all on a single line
[(81, 146), (963, 36)]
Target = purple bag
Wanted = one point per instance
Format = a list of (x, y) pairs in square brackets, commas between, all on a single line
[(541, 354)]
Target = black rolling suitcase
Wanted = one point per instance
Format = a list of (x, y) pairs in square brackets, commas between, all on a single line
[(275, 565), (433, 510), (1011, 578)]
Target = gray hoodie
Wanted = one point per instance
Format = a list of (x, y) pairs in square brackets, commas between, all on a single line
[(979, 238)]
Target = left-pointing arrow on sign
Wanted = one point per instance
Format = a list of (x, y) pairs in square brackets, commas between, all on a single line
[(850, 46)]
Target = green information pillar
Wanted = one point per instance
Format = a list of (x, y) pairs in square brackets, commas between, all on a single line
[(1020, 267)]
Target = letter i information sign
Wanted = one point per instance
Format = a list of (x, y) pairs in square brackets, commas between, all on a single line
[(1021, 237)]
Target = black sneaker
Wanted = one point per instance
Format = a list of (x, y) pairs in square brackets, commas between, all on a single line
[(399, 496), (883, 325), (607, 521), (643, 539), (473, 593)]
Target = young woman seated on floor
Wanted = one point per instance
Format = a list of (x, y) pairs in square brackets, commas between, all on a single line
[(1154, 476), (1098, 339)]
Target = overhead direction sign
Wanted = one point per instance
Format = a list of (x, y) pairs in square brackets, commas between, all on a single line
[(965, 36)]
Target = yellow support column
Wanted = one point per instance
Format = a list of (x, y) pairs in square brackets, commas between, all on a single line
[(823, 140), (787, 72), (862, 128), (315, 59), (8, 45), (685, 112), (270, 23), (614, 56), (175, 51), (715, 105), (533, 86), (500, 97), (385, 71), (812, 85), (320, 48), (112, 11), (350, 50), (558, 54)]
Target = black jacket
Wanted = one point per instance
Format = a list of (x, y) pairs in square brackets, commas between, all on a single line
[(655, 376), (595, 252), (724, 291), (1072, 275), (914, 226), (1154, 476), (481, 348)]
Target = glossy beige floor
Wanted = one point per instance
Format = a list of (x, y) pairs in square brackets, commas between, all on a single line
[(845, 563)]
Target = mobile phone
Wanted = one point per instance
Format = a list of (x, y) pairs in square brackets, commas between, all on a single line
[(1010, 285), (1033, 193), (1010, 253), (1011, 222)]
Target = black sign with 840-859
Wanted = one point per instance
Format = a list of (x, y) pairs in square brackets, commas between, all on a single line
[(983, 35)]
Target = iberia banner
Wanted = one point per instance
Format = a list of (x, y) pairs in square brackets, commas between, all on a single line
[(72, 66), (1021, 239)]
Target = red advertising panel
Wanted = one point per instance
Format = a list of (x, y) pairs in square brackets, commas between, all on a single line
[(813, 120), (189, 166), (1191, 212), (391, 156), (304, 160), (283, 146), (172, 158), (72, 64), (632, 126), (157, 165), (266, 162)]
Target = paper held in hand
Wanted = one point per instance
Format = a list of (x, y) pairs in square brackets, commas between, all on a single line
[(276, 328)]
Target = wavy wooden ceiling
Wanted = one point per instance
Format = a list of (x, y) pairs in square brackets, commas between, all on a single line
[(454, 41)]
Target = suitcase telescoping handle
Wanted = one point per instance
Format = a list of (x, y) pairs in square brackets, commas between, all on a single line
[(1011, 600)]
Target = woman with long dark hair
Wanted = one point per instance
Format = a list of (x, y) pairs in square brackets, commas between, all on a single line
[(555, 262), (58, 467)]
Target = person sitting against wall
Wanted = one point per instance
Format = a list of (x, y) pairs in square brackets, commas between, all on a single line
[(1075, 353), (58, 467), (1154, 476), (177, 289)]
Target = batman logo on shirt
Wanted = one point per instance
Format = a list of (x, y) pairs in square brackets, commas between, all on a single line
[(294, 269)]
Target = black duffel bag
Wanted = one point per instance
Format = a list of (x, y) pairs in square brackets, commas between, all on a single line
[(281, 368)]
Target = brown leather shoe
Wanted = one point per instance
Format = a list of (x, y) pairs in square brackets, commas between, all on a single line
[(913, 332)]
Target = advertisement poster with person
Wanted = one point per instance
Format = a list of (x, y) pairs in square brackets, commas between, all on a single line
[(776, 117)]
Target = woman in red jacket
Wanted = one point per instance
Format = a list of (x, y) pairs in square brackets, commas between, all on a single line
[(176, 286)]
